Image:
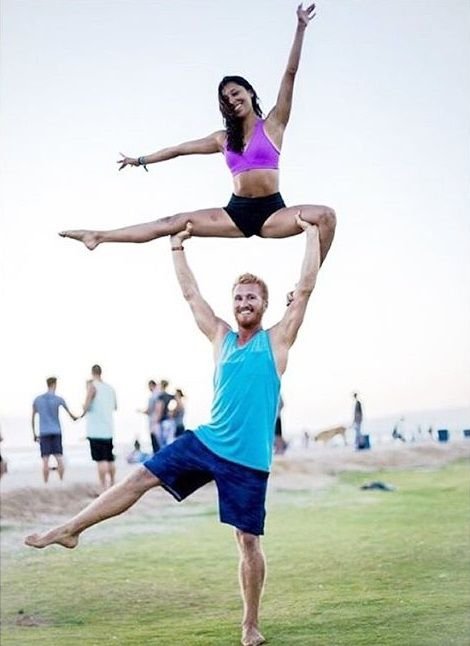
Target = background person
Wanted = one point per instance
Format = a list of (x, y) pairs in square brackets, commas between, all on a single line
[(99, 406), (357, 422), (164, 423), (178, 412), (47, 407), (3, 462), (150, 412)]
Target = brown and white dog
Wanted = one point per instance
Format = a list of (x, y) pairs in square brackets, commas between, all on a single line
[(328, 434)]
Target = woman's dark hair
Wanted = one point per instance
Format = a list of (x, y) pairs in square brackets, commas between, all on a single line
[(233, 124)]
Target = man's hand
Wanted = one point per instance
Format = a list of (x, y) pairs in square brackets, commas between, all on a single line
[(303, 224), (177, 239), (304, 16)]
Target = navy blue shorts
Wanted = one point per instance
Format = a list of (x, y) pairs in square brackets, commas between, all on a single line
[(250, 213), (187, 464), (50, 445)]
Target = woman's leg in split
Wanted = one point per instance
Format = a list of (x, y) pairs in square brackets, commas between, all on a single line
[(112, 502), (282, 224), (206, 223)]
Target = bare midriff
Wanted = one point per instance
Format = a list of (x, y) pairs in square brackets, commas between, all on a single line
[(256, 183)]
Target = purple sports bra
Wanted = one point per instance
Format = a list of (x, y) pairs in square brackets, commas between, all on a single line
[(259, 153)]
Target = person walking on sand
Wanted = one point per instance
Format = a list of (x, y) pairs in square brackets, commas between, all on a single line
[(235, 448), (251, 146), (49, 437), (99, 406)]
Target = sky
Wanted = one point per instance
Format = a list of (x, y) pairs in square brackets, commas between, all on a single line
[(379, 131)]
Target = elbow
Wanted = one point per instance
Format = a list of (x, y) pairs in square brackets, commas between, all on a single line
[(305, 291), (188, 295)]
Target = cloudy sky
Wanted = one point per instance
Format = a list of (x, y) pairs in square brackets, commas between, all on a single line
[(379, 131)]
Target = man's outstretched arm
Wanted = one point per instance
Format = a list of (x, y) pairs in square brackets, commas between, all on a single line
[(210, 324), (284, 333)]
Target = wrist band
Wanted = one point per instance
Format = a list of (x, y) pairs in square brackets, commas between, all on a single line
[(180, 248), (140, 162)]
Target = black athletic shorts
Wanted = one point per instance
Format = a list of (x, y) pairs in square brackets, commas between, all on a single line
[(250, 213), (101, 450)]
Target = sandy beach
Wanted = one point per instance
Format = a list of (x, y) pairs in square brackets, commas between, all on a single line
[(25, 500)]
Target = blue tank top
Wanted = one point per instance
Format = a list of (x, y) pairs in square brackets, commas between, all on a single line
[(246, 396)]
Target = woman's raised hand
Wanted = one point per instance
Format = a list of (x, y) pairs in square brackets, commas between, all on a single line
[(127, 161), (305, 15)]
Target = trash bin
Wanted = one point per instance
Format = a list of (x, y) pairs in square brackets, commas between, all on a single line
[(466, 432), (443, 435), (363, 443)]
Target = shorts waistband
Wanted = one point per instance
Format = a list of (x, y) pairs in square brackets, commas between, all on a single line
[(264, 198)]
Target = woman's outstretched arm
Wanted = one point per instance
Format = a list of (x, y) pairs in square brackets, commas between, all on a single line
[(281, 111), (205, 146)]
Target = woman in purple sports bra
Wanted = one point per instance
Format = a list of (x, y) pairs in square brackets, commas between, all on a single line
[(251, 146)]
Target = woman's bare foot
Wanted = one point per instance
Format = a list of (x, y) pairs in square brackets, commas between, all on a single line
[(55, 536), (252, 637), (89, 238)]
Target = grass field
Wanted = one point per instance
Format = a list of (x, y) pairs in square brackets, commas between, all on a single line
[(346, 568)]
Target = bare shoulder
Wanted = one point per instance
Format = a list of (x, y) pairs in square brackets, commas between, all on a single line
[(220, 137), (222, 329)]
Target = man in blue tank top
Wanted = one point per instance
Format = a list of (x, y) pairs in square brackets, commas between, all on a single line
[(234, 448)]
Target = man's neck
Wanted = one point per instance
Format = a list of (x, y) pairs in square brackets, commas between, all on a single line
[(245, 335)]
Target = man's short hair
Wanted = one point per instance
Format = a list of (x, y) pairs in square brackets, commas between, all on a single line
[(248, 279), (152, 383), (164, 383), (96, 370), (51, 381)]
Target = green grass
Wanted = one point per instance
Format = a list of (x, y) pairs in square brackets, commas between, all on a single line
[(346, 568)]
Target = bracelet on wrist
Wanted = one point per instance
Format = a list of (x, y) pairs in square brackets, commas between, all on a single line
[(180, 248), (141, 162)]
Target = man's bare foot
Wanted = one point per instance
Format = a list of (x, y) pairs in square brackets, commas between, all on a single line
[(89, 238), (252, 637), (55, 536)]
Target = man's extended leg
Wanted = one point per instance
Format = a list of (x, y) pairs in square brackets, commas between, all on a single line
[(111, 503), (252, 570)]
